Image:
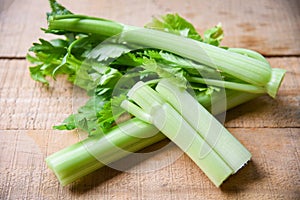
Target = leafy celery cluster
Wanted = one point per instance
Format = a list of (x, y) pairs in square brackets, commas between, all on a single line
[(165, 77), (98, 68)]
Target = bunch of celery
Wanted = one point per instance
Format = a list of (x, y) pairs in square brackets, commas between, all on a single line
[(168, 48)]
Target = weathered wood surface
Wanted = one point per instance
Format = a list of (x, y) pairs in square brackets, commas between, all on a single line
[(273, 172), (271, 27), (268, 128)]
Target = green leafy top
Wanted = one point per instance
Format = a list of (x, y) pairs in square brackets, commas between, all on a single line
[(214, 35), (57, 9)]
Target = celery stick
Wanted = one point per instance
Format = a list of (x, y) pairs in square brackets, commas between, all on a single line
[(229, 85), (171, 123), (195, 131), (243, 67), (86, 156), (229, 148)]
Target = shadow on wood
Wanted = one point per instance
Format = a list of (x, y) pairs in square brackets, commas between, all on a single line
[(280, 112), (254, 106), (238, 182)]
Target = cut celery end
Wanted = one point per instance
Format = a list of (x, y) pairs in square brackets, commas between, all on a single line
[(273, 85), (136, 111), (209, 128), (144, 96), (169, 122), (72, 163)]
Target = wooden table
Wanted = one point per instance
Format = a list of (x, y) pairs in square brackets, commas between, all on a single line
[(268, 127)]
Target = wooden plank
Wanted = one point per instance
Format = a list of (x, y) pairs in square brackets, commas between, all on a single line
[(273, 173), (25, 104), (270, 27)]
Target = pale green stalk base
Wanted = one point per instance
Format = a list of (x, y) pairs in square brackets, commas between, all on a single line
[(273, 85), (95, 152)]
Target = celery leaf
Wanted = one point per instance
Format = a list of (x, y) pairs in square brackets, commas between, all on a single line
[(173, 23)]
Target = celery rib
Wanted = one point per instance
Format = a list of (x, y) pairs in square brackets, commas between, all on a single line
[(86, 156), (65, 163), (243, 67), (246, 65), (195, 131), (170, 122), (249, 53), (229, 148), (229, 85)]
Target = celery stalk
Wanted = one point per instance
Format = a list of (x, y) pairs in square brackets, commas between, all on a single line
[(252, 70), (248, 69), (229, 85), (86, 156), (229, 148), (195, 131), (171, 123), (214, 150)]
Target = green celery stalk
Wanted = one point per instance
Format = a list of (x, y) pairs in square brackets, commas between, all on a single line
[(82, 158), (229, 148), (249, 53), (251, 70), (171, 123), (195, 131), (229, 85), (232, 99)]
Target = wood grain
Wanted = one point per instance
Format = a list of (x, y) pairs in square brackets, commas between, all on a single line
[(271, 27), (25, 104), (273, 172)]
